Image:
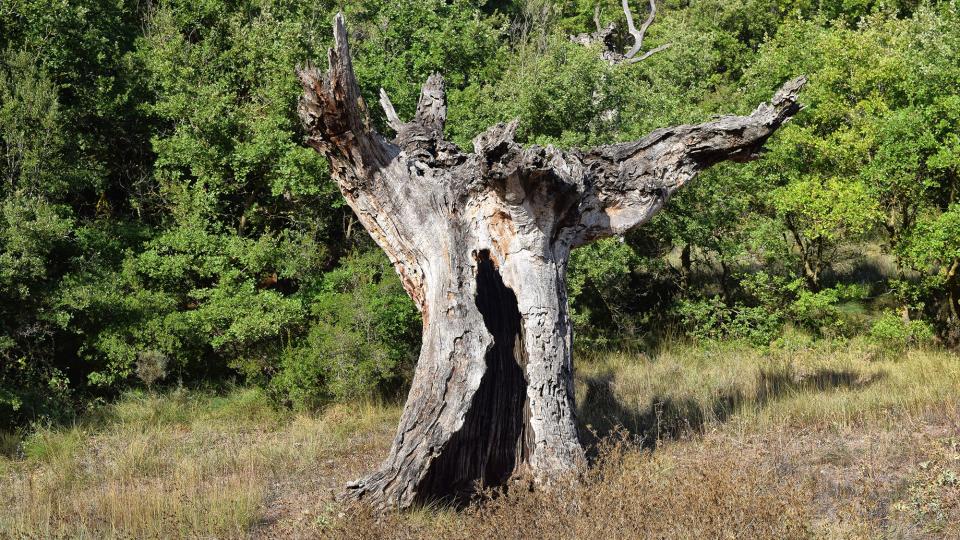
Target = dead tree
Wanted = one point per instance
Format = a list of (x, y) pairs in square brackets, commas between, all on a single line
[(481, 242), (605, 37)]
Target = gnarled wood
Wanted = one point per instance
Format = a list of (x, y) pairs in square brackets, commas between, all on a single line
[(481, 242)]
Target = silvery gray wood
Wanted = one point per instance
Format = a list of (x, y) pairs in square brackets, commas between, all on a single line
[(481, 242)]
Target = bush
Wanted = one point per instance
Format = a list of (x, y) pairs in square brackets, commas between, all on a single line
[(362, 340), (713, 319), (830, 312), (768, 303), (31, 391), (892, 332), (600, 289), (151, 366)]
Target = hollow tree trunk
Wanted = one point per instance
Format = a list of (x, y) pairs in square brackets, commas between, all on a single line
[(481, 242)]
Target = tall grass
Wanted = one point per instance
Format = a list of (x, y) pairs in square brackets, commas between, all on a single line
[(687, 441), (169, 465), (683, 389)]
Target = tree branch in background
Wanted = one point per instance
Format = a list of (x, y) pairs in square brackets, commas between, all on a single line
[(604, 36)]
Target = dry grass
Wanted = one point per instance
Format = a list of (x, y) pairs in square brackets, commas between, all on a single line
[(682, 389), (179, 465), (697, 442), (628, 493)]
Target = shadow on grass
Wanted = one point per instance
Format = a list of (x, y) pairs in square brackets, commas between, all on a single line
[(772, 385), (665, 417)]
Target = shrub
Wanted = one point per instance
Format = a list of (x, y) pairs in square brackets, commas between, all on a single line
[(599, 288), (894, 333), (713, 319), (830, 312), (362, 339), (617, 288), (151, 366)]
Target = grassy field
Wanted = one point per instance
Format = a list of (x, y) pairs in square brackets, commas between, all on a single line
[(824, 441)]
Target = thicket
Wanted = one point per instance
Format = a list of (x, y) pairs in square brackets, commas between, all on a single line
[(161, 221)]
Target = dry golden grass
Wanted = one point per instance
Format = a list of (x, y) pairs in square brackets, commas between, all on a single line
[(628, 493), (683, 388), (178, 465), (690, 442)]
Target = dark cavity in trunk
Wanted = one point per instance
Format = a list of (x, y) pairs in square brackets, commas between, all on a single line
[(496, 438)]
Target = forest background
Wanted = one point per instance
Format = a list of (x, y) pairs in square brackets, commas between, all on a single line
[(162, 223)]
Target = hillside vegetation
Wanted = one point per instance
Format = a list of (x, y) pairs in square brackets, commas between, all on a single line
[(162, 223)]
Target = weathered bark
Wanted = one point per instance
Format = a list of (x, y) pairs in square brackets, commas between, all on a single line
[(481, 242)]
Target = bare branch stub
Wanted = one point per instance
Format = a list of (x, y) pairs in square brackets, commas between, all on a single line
[(392, 119)]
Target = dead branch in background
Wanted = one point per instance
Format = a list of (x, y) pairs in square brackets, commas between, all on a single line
[(605, 36)]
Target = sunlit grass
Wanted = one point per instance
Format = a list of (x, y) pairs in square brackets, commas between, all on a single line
[(230, 464), (169, 465), (682, 388)]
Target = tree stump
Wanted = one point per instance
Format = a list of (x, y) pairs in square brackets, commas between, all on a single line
[(481, 242)]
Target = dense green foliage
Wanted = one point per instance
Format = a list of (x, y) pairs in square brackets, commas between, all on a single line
[(161, 222)]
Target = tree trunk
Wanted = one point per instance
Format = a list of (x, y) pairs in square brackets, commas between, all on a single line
[(481, 242), (686, 266)]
